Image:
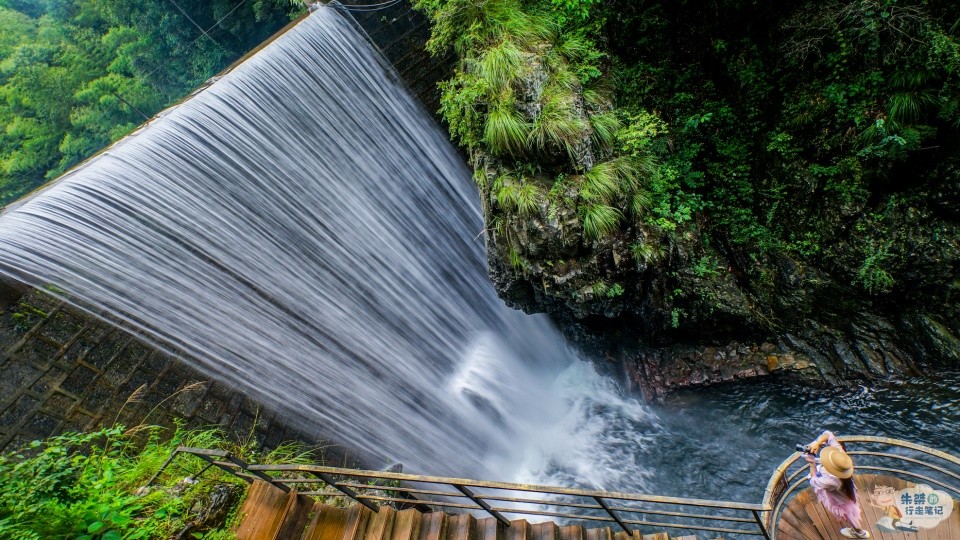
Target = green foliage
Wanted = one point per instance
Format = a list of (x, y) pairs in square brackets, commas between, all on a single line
[(599, 288), (768, 128), (84, 486), (574, 12), (706, 266), (505, 131), (501, 65), (516, 195), (605, 127), (557, 125), (76, 75), (872, 276), (614, 178), (647, 252), (599, 220), (614, 291)]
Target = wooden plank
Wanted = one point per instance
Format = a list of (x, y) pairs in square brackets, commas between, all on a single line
[(786, 531), (546, 530), (488, 529), (263, 512), (460, 527), (571, 532), (519, 530), (433, 526), (328, 523), (297, 515), (453, 524), (380, 525), (356, 524), (871, 514), (406, 525), (818, 521), (802, 524), (313, 528), (656, 536), (805, 518)]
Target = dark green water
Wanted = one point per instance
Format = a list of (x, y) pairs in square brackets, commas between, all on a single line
[(724, 442)]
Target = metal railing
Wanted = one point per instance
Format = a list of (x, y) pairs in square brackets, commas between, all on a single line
[(626, 510), (879, 455), (497, 499)]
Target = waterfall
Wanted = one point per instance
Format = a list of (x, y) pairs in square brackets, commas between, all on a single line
[(302, 230)]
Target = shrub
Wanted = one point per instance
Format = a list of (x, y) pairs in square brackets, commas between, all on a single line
[(84, 486)]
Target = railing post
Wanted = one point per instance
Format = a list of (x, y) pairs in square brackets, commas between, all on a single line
[(161, 469), (763, 529), (345, 490), (483, 504), (603, 503)]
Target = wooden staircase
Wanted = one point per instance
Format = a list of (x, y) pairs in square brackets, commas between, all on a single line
[(270, 514)]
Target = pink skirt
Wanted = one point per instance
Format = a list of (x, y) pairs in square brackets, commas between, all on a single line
[(827, 488)]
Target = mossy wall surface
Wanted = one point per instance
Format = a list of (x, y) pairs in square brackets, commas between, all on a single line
[(62, 370)]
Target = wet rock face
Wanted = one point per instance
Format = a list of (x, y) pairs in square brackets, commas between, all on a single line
[(683, 312)]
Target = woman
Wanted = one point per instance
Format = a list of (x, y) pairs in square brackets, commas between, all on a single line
[(831, 477)]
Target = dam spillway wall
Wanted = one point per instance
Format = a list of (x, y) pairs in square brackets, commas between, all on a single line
[(63, 370)]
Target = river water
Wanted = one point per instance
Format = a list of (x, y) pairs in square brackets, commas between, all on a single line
[(724, 442), (303, 230)]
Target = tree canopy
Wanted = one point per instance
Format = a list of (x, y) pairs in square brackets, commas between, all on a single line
[(76, 75)]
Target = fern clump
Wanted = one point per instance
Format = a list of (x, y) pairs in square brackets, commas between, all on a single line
[(505, 132)]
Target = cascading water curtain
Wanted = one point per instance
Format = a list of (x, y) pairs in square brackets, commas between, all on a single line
[(303, 230)]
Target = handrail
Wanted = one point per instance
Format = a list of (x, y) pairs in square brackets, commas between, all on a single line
[(782, 485), (499, 499), (626, 510)]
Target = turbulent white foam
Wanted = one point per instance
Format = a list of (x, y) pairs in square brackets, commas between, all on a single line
[(304, 231)]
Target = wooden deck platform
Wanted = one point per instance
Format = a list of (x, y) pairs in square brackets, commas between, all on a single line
[(805, 518), (271, 514)]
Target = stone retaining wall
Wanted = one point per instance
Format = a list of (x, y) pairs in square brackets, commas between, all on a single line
[(64, 370)]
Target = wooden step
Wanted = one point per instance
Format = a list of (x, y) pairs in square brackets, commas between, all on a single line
[(489, 529), (572, 532), (460, 527), (599, 533), (519, 530), (327, 523), (547, 530), (357, 518), (433, 526), (380, 525), (406, 525), (298, 513), (269, 512)]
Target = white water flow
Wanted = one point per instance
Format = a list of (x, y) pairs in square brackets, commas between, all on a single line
[(304, 231)]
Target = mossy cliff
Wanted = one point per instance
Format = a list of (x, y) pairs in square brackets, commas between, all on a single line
[(710, 190)]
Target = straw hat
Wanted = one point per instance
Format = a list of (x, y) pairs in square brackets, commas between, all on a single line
[(836, 462)]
